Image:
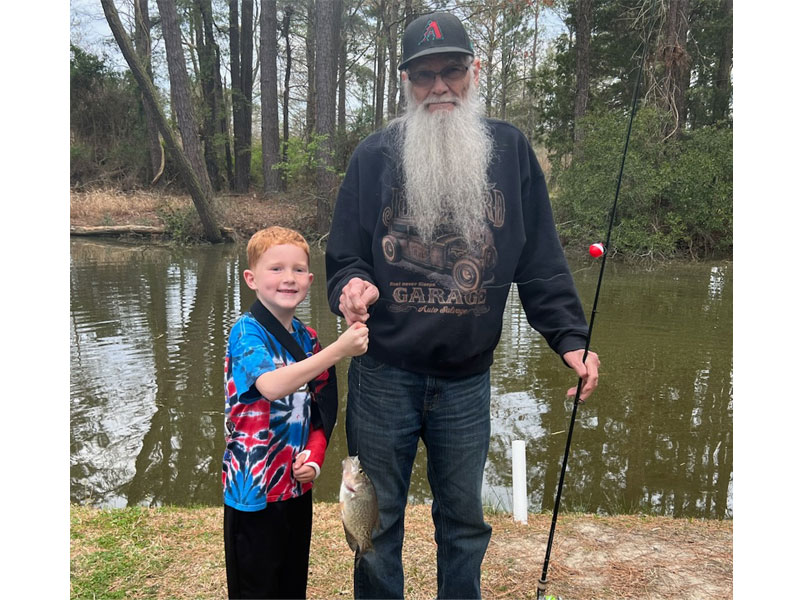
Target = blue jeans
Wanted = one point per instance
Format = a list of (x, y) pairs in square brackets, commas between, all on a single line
[(388, 411)]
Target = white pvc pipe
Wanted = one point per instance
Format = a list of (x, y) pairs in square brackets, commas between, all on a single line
[(518, 479)]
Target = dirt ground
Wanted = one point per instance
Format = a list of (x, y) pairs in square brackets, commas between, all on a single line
[(177, 553), (636, 557)]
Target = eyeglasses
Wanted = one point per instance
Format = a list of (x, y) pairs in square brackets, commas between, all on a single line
[(451, 74)]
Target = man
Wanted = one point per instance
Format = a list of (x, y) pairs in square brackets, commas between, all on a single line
[(437, 216)]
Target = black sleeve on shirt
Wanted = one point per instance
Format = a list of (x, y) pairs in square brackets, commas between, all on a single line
[(543, 278), (349, 248)]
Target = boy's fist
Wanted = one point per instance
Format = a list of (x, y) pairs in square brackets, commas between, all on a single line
[(303, 473), (355, 340)]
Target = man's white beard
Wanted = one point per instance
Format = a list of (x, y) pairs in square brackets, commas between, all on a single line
[(445, 157)]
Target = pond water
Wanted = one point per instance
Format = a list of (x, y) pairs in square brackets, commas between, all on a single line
[(148, 327)]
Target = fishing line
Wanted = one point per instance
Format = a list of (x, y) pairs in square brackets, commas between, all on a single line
[(541, 586), (361, 405)]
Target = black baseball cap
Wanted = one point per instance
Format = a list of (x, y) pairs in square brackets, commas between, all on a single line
[(434, 33)]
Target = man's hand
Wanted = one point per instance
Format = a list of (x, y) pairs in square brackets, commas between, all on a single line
[(357, 296), (586, 371)]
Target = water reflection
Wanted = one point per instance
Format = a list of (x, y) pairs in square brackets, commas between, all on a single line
[(148, 331)]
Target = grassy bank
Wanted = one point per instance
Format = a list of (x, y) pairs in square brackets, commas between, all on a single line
[(177, 553), (243, 213)]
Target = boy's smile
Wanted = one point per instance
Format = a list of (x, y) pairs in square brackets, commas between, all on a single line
[(281, 280)]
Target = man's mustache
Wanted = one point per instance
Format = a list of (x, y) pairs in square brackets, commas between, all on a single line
[(442, 100)]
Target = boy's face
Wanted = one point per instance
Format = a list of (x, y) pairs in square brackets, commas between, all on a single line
[(280, 279)]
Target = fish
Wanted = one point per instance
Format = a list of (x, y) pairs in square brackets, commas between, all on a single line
[(359, 504)]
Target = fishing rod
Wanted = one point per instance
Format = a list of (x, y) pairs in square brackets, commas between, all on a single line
[(595, 250)]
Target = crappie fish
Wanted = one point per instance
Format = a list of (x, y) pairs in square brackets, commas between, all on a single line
[(359, 505)]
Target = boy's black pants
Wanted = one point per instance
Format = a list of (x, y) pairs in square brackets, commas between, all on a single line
[(266, 552)]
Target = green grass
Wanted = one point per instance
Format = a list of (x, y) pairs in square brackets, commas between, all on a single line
[(122, 545)]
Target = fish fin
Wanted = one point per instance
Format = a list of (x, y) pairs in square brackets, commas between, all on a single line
[(351, 540), (362, 550)]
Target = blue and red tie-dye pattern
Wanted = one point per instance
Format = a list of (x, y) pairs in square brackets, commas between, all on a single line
[(262, 437)]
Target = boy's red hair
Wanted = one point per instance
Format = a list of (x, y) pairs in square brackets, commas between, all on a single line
[(263, 240)]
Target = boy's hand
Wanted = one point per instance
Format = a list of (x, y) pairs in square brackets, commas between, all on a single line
[(303, 473), (355, 340)]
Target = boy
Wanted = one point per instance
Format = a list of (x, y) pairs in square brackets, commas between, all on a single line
[(273, 451)]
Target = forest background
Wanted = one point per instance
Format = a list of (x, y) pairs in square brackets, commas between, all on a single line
[(221, 99)]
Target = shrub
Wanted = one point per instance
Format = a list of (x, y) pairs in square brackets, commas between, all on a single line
[(107, 130), (675, 198), (302, 161), (701, 186), (181, 222), (256, 175)]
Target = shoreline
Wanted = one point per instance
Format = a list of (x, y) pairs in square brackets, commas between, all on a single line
[(170, 216)]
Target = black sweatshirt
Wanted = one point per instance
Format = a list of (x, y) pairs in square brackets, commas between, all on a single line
[(441, 305)]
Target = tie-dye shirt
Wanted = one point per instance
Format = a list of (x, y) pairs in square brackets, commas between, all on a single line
[(262, 437)]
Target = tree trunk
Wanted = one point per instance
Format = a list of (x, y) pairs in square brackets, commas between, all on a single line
[(341, 83), (104, 230), (676, 64), (409, 15), (531, 103), (505, 65), (180, 92), (270, 140), (205, 57), (247, 88), (327, 35), (491, 46), (583, 32), (200, 196), (288, 11), (221, 138), (144, 50), (247, 93), (236, 85), (380, 63), (341, 112), (394, 12), (311, 96), (242, 90), (720, 107)]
